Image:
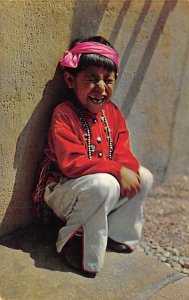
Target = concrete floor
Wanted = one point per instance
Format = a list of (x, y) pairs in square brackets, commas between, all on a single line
[(31, 269)]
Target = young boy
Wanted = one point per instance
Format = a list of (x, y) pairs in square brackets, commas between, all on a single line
[(98, 187)]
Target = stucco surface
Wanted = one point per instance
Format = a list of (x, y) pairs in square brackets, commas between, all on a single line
[(152, 38)]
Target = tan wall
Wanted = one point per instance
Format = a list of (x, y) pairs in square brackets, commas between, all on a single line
[(152, 91)]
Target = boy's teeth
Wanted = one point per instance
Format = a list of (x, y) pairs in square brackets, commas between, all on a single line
[(97, 99)]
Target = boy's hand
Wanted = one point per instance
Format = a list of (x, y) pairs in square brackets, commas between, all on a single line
[(130, 182)]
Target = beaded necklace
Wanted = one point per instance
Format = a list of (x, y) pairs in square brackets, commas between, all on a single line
[(91, 148)]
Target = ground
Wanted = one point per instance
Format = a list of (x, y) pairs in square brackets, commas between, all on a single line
[(167, 215)]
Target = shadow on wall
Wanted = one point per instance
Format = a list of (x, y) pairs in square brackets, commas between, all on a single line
[(31, 142), (168, 167), (133, 38), (85, 21), (148, 53), (119, 21), (29, 148), (142, 68)]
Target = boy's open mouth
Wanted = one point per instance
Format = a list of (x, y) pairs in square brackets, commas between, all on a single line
[(96, 100)]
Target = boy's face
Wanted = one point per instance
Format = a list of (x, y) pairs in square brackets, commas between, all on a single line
[(93, 87)]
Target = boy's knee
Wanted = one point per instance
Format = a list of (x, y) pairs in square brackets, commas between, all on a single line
[(104, 184), (146, 178)]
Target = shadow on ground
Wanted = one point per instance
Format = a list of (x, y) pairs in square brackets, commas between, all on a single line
[(39, 241)]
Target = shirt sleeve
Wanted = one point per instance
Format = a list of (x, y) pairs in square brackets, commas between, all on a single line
[(122, 149), (71, 153)]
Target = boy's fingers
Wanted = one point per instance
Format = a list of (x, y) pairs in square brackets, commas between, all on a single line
[(134, 190)]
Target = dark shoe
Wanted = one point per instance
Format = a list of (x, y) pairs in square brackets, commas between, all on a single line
[(118, 247), (73, 255)]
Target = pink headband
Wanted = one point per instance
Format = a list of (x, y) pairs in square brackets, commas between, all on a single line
[(71, 58)]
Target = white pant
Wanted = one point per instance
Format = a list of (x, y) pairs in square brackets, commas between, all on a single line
[(92, 203)]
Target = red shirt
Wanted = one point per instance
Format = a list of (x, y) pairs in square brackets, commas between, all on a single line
[(67, 145)]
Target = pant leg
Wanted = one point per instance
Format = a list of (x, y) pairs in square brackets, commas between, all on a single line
[(126, 220), (85, 202)]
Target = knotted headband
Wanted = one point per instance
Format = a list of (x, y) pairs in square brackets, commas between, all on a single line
[(71, 58)]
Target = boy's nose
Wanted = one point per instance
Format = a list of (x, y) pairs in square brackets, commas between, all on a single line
[(100, 86)]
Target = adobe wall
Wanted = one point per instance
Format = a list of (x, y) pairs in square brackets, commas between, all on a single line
[(152, 90)]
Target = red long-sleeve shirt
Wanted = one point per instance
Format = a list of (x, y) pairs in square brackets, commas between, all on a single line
[(67, 145)]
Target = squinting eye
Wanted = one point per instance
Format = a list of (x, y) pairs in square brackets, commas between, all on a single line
[(109, 81), (91, 80)]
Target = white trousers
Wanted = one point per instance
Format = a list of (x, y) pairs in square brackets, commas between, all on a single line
[(92, 203)]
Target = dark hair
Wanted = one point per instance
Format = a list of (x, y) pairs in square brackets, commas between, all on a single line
[(92, 59)]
